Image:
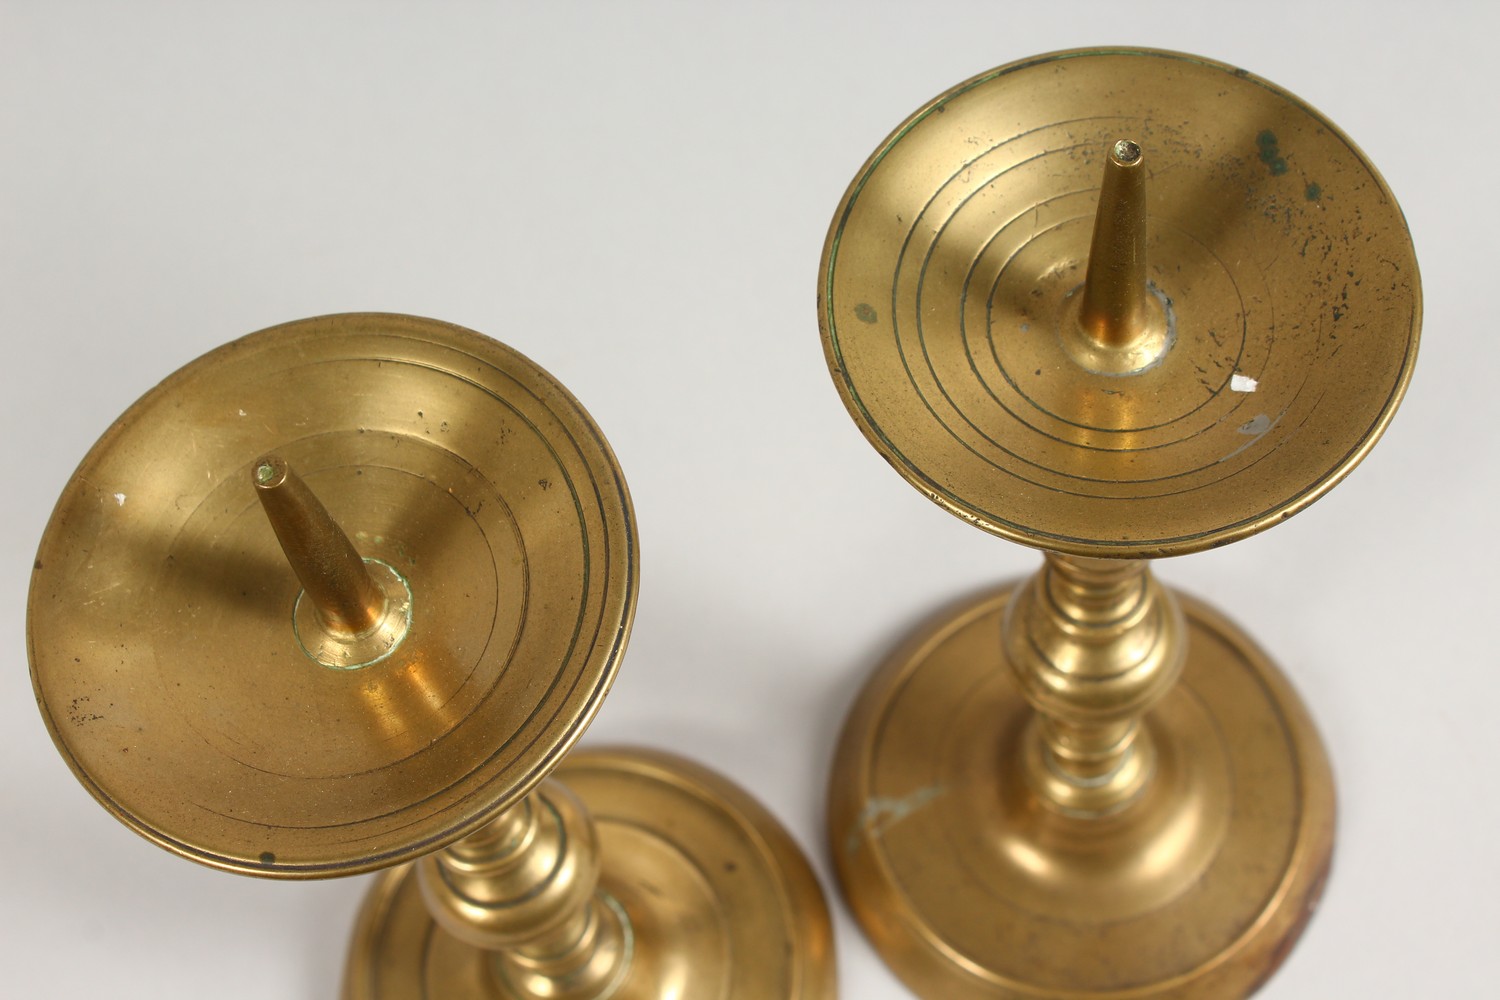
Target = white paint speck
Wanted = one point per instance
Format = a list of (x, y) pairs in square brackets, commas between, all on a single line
[(243, 413), (880, 814), (120, 499), (1243, 383)]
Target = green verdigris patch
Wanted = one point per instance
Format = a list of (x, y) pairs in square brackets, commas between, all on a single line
[(865, 312), (1270, 153)]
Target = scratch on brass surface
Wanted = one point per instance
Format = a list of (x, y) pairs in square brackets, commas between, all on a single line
[(880, 814), (1256, 425), (1255, 428)]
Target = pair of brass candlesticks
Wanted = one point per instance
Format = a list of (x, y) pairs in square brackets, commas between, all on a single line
[(1081, 786)]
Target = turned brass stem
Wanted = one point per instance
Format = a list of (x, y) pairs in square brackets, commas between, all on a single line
[(525, 889), (1094, 643), (1113, 310), (346, 599)]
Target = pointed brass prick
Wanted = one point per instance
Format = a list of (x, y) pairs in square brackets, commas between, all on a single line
[(1114, 293), (333, 575), (1115, 324), (352, 612), (364, 580), (1172, 356), (374, 647)]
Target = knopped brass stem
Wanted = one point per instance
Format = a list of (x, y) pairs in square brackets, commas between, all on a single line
[(1115, 324), (1094, 643), (525, 888), (332, 573)]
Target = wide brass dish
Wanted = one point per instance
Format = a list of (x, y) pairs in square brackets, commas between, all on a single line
[(164, 622), (1278, 254), (340, 596)]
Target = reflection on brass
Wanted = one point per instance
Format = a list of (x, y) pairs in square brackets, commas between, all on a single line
[(524, 889), (174, 651), (345, 616), (339, 597), (1087, 785), (1114, 289), (332, 573), (1278, 255), (1119, 326), (694, 890), (1094, 643)]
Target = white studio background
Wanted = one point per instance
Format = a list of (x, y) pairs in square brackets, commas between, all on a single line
[(635, 196)]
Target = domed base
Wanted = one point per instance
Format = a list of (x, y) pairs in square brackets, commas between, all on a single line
[(720, 901), (970, 887)]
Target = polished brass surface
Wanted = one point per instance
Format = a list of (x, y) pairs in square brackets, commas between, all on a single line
[(385, 661), (188, 682), (1280, 257), (700, 894), (1114, 304), (352, 612), (971, 886), (1116, 324), (1094, 643), (333, 575), (525, 889)]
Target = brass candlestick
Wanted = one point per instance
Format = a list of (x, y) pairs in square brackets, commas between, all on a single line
[(340, 596), (1116, 305)]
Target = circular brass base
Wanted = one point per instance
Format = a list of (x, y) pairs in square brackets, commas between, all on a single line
[(720, 902), (970, 887)]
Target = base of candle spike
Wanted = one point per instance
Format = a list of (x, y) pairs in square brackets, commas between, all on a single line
[(969, 886), (717, 901)]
